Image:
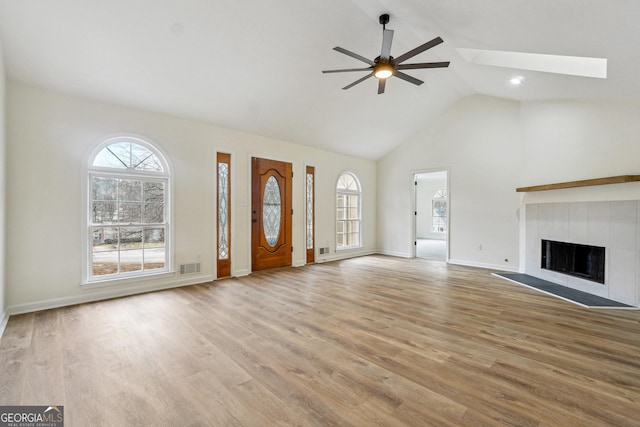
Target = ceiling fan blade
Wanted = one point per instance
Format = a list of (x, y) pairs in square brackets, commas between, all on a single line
[(347, 70), (354, 55), (423, 65), (408, 78), (357, 81), (419, 49), (387, 38), (381, 84)]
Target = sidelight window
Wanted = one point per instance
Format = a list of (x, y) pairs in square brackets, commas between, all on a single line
[(223, 215), (348, 212)]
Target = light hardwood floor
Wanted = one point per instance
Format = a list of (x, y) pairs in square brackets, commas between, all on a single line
[(362, 342)]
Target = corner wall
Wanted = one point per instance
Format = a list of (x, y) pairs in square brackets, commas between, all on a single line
[(491, 147), (479, 141), (3, 206)]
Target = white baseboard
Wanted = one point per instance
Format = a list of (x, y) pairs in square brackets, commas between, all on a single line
[(484, 265), (396, 254), (344, 255), (242, 272), (3, 322), (104, 295)]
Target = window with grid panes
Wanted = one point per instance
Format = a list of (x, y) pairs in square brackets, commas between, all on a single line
[(348, 219), (439, 211), (128, 216)]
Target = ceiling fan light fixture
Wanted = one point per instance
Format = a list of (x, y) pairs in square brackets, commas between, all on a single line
[(383, 71), (385, 65)]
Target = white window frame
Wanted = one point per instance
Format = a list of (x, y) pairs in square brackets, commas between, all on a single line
[(440, 196), (165, 176), (347, 192)]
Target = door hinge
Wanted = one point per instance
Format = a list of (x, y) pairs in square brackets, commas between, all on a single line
[(291, 248), (415, 213), (415, 243), (415, 182), (291, 211)]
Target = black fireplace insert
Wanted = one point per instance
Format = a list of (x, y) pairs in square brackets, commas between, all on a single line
[(584, 261)]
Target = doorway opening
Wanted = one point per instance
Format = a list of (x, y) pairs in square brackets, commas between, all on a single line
[(431, 215)]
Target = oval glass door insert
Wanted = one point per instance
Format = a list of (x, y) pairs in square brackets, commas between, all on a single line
[(271, 211)]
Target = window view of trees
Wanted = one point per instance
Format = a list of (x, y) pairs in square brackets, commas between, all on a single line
[(347, 212), (439, 211), (128, 224)]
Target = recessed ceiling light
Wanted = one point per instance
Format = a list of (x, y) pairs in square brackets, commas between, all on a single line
[(516, 81)]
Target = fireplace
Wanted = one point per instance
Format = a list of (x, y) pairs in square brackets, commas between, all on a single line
[(583, 261), (614, 225)]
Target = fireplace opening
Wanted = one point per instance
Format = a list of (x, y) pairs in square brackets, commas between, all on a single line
[(584, 261)]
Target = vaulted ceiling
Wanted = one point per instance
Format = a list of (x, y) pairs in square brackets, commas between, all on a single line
[(255, 65)]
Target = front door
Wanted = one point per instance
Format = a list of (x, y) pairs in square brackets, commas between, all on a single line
[(271, 214)]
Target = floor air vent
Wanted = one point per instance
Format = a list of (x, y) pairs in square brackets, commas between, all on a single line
[(190, 268)]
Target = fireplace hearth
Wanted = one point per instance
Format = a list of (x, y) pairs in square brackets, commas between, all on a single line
[(583, 261)]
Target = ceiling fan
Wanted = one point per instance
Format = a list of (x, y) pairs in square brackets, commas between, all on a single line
[(385, 65)]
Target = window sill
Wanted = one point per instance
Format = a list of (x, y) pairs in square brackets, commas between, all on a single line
[(346, 248), (126, 280)]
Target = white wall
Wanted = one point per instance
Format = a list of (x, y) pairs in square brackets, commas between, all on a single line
[(3, 168), (49, 138), (479, 141), (567, 141)]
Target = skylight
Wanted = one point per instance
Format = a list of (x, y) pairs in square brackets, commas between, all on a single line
[(559, 64)]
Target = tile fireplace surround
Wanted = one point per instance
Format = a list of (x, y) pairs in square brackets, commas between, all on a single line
[(613, 224)]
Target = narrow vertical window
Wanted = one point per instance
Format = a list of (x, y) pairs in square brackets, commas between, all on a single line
[(223, 215), (348, 212), (128, 214), (310, 215), (439, 211)]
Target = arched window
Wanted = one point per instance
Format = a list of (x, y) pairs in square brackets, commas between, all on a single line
[(128, 210), (439, 211), (348, 212)]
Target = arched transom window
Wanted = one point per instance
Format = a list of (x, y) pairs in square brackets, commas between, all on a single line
[(128, 212), (348, 212)]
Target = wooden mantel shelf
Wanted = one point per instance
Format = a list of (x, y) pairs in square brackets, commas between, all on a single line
[(584, 183)]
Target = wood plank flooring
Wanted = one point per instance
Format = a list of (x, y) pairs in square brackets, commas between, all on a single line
[(371, 341)]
